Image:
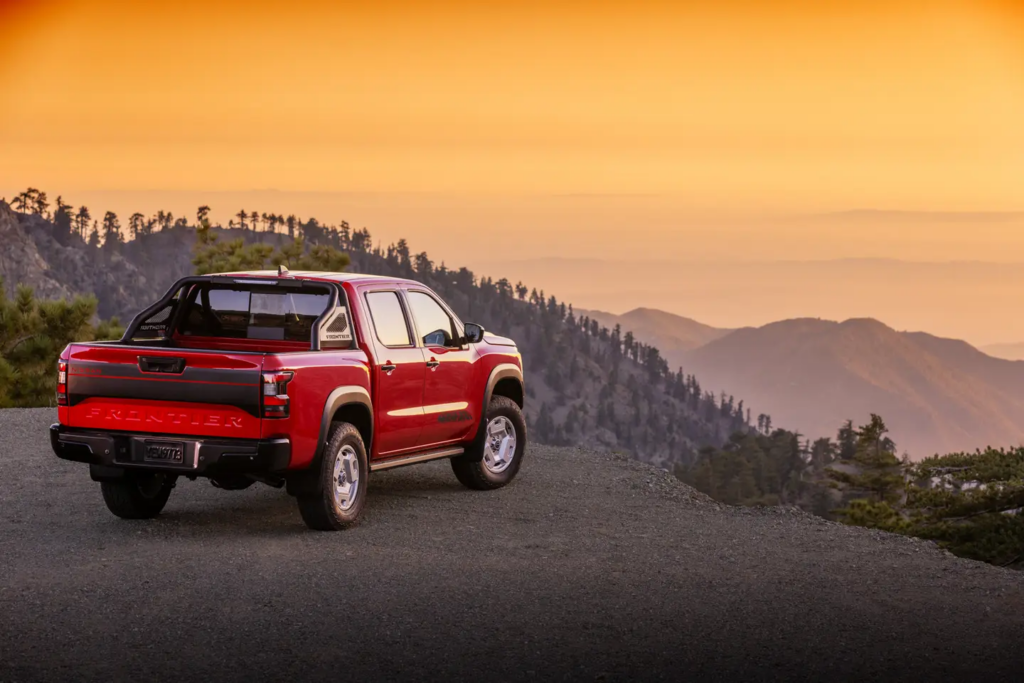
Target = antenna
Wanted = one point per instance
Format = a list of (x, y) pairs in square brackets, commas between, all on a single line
[(282, 270)]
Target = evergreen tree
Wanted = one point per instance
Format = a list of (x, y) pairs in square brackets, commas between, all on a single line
[(971, 503), (32, 334), (847, 440), (62, 218), (875, 472), (112, 237), (82, 219), (212, 256)]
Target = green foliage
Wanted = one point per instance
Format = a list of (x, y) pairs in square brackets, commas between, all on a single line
[(213, 256), (750, 469), (873, 515), (32, 335), (872, 470), (971, 503)]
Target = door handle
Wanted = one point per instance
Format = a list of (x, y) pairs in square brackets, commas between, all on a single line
[(388, 367), (433, 363)]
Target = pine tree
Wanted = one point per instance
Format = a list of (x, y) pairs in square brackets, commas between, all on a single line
[(970, 503), (875, 472), (209, 255), (32, 334)]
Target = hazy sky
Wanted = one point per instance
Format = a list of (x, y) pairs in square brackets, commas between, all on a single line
[(791, 105), (666, 130)]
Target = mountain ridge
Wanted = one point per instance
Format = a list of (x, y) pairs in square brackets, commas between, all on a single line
[(668, 331), (936, 394)]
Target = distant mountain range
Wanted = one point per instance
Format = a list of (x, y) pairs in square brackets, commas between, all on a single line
[(936, 394), (962, 299), (671, 333)]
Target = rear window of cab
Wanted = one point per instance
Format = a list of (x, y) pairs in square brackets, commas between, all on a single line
[(243, 312)]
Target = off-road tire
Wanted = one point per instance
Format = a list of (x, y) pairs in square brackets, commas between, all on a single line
[(321, 511), (138, 495), (470, 468)]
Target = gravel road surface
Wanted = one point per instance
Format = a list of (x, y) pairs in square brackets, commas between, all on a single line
[(588, 567)]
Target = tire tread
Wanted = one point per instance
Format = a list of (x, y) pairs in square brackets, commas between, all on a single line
[(316, 510), (125, 501), (469, 469)]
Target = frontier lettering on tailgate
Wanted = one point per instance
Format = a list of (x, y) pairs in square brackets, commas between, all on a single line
[(159, 417)]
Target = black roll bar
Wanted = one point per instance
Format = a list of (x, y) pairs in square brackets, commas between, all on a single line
[(176, 288)]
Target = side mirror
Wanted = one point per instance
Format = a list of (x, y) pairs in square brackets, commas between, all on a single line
[(473, 334)]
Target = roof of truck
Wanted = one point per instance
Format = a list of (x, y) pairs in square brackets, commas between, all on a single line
[(316, 275)]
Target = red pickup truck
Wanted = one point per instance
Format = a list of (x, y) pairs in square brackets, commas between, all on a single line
[(306, 380)]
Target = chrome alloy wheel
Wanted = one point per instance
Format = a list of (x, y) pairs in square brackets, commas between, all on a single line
[(499, 444), (346, 478)]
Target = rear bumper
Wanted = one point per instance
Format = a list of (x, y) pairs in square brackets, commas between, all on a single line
[(203, 456)]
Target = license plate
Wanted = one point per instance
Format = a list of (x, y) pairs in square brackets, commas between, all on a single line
[(168, 452)]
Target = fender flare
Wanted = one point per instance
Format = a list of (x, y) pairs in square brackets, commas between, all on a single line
[(342, 396), (500, 372)]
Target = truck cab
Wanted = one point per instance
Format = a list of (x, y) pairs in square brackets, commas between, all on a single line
[(304, 380)]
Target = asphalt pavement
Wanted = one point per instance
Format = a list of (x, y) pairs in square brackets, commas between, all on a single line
[(589, 566)]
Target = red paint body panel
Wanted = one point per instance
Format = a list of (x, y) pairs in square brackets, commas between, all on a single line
[(112, 371), (164, 417), (317, 374), (414, 407), (448, 389)]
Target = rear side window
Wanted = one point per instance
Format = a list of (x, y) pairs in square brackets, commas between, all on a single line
[(388, 318), (257, 313)]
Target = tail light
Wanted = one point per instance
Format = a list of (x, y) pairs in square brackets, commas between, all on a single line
[(275, 393), (62, 383)]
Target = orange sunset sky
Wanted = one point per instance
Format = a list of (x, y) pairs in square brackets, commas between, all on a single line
[(799, 105), (699, 129)]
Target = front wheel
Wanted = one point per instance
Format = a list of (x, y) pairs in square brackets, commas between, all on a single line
[(341, 493), (138, 495), (495, 462)]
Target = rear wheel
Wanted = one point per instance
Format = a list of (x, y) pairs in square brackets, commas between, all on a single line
[(495, 462), (138, 495), (341, 494)]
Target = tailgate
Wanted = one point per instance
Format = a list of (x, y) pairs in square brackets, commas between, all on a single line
[(164, 391)]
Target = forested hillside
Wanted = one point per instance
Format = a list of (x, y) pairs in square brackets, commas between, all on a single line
[(587, 384)]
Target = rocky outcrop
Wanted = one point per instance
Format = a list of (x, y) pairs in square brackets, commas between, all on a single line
[(21, 262), (121, 287), (56, 264)]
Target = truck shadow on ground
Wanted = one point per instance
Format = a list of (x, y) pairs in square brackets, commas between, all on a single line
[(259, 511)]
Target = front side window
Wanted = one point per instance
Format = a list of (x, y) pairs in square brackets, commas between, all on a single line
[(432, 322), (256, 313), (388, 318)]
